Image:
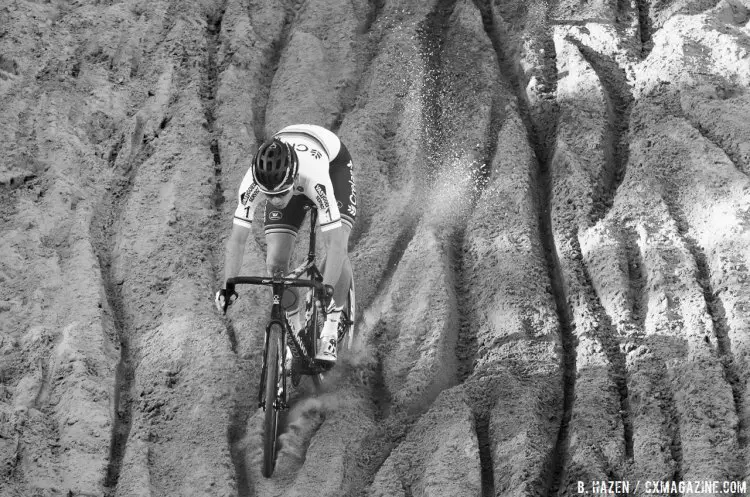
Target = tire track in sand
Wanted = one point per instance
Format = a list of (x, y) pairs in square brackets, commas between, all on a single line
[(684, 253), (272, 50), (576, 176), (104, 233), (242, 48), (455, 22), (212, 70), (540, 121), (644, 26), (618, 100), (721, 329)]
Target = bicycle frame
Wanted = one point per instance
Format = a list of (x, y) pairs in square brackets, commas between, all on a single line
[(278, 317)]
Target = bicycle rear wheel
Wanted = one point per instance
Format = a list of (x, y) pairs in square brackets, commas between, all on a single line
[(272, 387), (346, 322)]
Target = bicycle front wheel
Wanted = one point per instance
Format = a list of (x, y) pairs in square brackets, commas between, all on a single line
[(273, 387)]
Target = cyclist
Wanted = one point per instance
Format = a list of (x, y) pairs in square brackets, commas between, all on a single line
[(301, 165)]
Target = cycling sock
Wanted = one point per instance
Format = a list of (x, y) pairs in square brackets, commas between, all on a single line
[(334, 314), (331, 327)]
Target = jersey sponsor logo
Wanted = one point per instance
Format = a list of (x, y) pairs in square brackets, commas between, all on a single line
[(275, 215), (339, 204), (353, 197), (352, 208), (322, 199), (249, 194), (304, 148)]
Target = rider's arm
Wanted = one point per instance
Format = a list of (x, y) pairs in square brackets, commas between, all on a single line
[(235, 251), (247, 198), (336, 250)]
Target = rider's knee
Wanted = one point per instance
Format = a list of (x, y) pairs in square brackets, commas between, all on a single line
[(276, 269), (276, 265), (278, 252)]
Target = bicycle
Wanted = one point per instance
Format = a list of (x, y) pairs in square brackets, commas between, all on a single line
[(273, 393)]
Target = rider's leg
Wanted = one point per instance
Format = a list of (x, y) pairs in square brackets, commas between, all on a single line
[(281, 226), (341, 170), (346, 198), (329, 333), (341, 288), (278, 256)]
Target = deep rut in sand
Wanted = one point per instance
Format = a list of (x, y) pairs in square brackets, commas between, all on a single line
[(721, 330), (212, 70), (208, 96), (558, 458), (105, 226), (644, 26), (540, 124), (619, 102)]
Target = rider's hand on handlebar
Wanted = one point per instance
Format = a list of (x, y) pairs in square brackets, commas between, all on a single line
[(222, 302)]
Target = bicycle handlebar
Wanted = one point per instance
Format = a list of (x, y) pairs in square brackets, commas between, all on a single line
[(267, 280)]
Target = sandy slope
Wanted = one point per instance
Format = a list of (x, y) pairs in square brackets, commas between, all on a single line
[(551, 247)]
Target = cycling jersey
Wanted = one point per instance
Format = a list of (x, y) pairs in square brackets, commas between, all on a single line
[(324, 180)]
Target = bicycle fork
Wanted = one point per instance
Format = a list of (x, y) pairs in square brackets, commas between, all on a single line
[(280, 396), (280, 402)]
